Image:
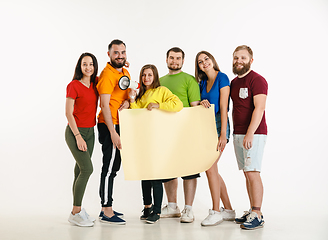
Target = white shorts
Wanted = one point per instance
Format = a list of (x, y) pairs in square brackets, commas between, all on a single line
[(249, 160)]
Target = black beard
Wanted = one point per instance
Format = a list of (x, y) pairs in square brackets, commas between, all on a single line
[(242, 71), (118, 65), (174, 69)]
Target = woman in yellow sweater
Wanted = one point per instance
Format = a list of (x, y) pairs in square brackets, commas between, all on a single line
[(152, 95)]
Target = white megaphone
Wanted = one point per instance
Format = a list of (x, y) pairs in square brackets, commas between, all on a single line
[(125, 83)]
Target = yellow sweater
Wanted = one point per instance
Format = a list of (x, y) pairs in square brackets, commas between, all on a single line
[(163, 96)]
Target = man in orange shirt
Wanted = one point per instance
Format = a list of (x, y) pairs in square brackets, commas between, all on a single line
[(112, 99)]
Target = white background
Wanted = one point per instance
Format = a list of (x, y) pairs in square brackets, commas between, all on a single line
[(40, 45)]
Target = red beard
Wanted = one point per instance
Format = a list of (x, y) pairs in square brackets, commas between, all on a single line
[(243, 70)]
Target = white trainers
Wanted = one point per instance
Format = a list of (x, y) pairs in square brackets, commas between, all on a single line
[(88, 216), (80, 219), (187, 216), (213, 218), (228, 215), (168, 212)]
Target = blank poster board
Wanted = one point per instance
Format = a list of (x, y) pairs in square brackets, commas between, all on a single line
[(159, 145)]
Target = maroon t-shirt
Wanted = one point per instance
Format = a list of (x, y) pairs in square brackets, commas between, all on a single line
[(242, 91), (85, 106)]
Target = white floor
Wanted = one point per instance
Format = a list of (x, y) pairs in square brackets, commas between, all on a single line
[(57, 227)]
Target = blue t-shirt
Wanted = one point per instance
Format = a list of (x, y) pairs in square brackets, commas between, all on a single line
[(213, 96)]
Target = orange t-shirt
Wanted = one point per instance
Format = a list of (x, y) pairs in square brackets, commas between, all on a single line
[(108, 84)]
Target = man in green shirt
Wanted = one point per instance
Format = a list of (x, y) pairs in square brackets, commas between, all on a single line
[(186, 88)]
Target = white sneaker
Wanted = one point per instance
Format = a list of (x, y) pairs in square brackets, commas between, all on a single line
[(88, 216), (228, 215), (187, 216), (168, 212), (80, 219), (213, 218)]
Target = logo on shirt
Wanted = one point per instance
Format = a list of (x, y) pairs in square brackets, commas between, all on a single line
[(243, 93)]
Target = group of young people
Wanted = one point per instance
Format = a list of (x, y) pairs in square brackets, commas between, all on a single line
[(171, 92)]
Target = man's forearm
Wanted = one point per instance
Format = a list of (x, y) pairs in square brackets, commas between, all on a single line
[(108, 118), (255, 120)]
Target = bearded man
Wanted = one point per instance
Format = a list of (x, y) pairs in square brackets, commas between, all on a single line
[(186, 88), (248, 93), (112, 99)]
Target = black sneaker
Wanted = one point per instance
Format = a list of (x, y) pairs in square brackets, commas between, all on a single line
[(146, 213), (153, 217)]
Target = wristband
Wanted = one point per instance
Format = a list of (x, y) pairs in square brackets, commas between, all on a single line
[(76, 134)]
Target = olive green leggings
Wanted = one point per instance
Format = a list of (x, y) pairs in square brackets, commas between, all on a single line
[(83, 167)]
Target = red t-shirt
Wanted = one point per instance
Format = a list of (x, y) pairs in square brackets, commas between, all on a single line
[(85, 106), (242, 91)]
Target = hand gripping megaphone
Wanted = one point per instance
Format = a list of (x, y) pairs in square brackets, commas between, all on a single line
[(125, 83)]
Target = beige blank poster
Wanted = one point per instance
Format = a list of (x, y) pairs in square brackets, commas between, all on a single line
[(159, 145)]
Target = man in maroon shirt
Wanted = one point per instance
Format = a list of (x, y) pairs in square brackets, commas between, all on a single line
[(248, 93)]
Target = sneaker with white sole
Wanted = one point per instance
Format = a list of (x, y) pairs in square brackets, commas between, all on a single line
[(120, 215), (87, 215), (213, 218), (80, 219), (152, 218), (253, 222), (112, 220), (168, 212), (187, 216), (228, 215)]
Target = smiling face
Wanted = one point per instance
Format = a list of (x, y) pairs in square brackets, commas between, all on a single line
[(147, 78), (174, 61), (205, 63), (87, 67), (117, 55), (241, 62)]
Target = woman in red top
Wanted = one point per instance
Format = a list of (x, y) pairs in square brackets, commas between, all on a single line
[(81, 108)]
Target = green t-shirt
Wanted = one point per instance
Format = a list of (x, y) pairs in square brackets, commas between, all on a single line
[(183, 85)]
